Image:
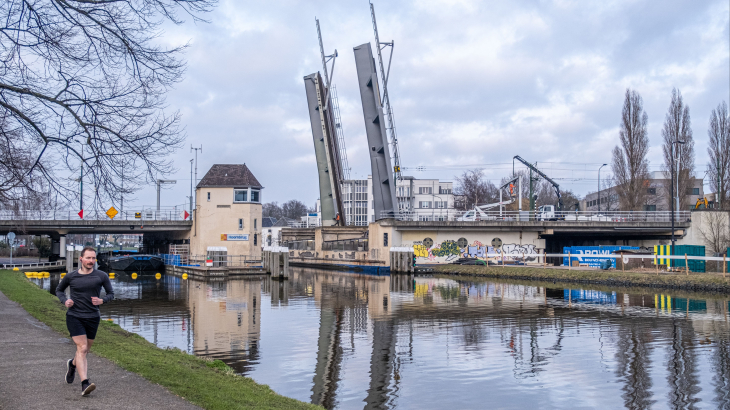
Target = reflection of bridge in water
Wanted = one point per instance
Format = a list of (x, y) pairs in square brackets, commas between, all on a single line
[(531, 324)]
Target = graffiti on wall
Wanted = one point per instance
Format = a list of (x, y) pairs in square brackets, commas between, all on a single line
[(428, 251)]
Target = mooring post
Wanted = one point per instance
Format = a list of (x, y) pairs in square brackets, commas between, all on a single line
[(570, 262)]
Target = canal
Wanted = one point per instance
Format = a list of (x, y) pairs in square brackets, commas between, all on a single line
[(351, 341)]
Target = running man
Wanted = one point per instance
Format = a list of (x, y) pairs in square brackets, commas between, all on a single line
[(82, 317)]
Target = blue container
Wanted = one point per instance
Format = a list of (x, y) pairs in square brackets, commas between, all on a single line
[(592, 256)]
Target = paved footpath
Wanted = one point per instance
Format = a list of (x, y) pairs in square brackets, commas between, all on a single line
[(33, 364)]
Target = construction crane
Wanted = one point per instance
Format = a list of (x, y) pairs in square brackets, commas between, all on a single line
[(538, 172), (387, 108)]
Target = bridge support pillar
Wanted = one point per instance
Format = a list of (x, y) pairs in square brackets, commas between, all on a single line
[(62, 246), (70, 258), (55, 248)]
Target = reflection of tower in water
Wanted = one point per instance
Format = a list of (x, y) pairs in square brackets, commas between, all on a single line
[(226, 321)]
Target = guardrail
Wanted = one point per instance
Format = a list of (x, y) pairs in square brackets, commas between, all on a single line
[(33, 265), (572, 216), (72, 215)]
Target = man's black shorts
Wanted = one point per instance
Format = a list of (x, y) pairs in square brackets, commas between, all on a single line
[(78, 326)]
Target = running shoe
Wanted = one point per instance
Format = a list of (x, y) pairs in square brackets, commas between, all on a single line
[(87, 388), (70, 371)]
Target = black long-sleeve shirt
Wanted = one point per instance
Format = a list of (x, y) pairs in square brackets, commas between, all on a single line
[(83, 287)]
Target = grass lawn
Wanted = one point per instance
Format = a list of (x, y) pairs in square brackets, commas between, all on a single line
[(705, 282), (185, 375)]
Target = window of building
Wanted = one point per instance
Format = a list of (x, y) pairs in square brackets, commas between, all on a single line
[(693, 191), (255, 239), (385, 239), (240, 195), (254, 222), (424, 204), (254, 195), (208, 196), (424, 190), (240, 223), (650, 208), (651, 191)]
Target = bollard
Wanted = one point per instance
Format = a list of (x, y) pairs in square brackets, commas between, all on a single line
[(656, 263), (570, 262), (686, 265)]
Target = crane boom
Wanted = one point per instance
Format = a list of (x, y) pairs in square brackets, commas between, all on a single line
[(547, 178)]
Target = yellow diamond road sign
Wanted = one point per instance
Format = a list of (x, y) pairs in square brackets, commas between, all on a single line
[(112, 212)]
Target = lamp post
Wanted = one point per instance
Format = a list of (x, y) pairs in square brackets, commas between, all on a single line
[(160, 182), (671, 184), (599, 187)]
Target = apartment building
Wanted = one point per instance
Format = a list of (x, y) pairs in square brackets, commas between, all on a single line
[(656, 198), (419, 199)]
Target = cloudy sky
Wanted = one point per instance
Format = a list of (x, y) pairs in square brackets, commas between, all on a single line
[(473, 83)]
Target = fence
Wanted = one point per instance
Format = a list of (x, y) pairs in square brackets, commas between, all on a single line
[(225, 260), (346, 245), (32, 265), (306, 245), (568, 216)]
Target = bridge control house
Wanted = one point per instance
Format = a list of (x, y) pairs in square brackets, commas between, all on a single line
[(228, 212)]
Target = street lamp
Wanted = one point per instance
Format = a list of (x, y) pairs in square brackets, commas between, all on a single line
[(599, 187), (671, 185)]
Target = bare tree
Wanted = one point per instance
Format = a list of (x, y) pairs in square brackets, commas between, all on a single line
[(473, 189), (630, 166), (293, 209), (718, 169), (678, 127), (83, 82), (272, 209)]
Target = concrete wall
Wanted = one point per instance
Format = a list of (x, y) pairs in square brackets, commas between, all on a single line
[(707, 226), (448, 245), (220, 216)]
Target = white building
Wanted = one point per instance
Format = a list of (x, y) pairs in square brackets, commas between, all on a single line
[(419, 199)]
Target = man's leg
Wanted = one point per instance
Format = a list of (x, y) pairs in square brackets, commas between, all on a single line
[(82, 348)]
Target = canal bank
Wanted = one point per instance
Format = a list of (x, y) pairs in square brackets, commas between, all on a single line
[(698, 282), (206, 383)]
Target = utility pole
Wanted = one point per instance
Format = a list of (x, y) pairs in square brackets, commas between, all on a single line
[(191, 188), (599, 187), (196, 164), (81, 181), (717, 189)]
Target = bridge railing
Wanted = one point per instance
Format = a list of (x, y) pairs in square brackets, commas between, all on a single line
[(567, 216), (72, 215)]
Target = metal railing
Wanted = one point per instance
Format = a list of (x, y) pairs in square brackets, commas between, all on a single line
[(346, 245), (306, 245), (72, 215), (566, 216), (224, 260), (33, 265)]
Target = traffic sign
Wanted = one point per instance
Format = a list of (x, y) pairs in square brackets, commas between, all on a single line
[(112, 212), (81, 214), (11, 236), (184, 215)]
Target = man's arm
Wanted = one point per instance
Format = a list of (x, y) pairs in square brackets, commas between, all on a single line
[(61, 289), (108, 289)]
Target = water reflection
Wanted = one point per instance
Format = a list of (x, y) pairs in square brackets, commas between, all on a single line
[(345, 340)]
